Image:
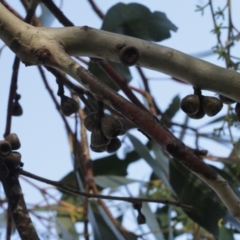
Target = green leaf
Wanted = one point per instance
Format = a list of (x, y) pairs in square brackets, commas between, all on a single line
[(106, 227), (112, 181), (100, 74), (138, 21), (173, 107), (160, 157), (112, 165), (225, 233), (208, 208), (151, 219), (66, 228), (163, 216), (236, 149), (144, 153)]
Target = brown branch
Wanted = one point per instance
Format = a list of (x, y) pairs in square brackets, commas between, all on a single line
[(12, 92), (9, 224), (121, 83), (152, 104)]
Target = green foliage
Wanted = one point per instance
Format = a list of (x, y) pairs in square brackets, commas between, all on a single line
[(225, 233), (171, 111), (208, 208), (138, 21)]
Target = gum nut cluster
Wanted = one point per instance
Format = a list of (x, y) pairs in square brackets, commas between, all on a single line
[(9, 159), (105, 131), (196, 106)]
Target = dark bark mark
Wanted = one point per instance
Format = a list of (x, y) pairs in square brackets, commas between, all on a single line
[(42, 54), (129, 55)]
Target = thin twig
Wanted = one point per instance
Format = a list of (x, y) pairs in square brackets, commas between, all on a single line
[(68, 128), (60, 16), (121, 83), (96, 9), (65, 188)]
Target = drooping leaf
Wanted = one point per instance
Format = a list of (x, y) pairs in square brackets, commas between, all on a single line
[(208, 208), (136, 20), (163, 216), (112, 165), (173, 107), (100, 74), (112, 181), (170, 112), (151, 220), (225, 233), (66, 228), (142, 150), (160, 157), (106, 226)]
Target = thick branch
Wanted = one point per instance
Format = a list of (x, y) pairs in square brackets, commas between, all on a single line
[(204, 75), (18, 208), (91, 42)]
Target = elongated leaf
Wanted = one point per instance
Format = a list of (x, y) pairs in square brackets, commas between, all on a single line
[(112, 181), (173, 108), (136, 20), (208, 208), (65, 228), (144, 153), (163, 216), (151, 219), (225, 233), (112, 165), (161, 158), (107, 229)]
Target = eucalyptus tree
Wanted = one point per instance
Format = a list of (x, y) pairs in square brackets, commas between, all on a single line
[(203, 198)]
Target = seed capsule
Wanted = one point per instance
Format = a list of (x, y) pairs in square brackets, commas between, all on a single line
[(5, 148), (92, 120), (68, 105), (211, 105), (13, 160), (141, 219), (200, 114), (98, 149), (98, 139), (17, 109), (114, 145), (190, 104), (111, 127), (14, 141)]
